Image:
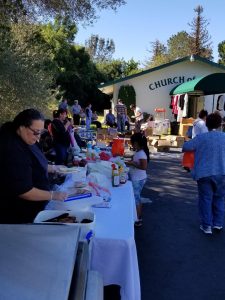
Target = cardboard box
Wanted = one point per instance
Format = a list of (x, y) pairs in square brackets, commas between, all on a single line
[(180, 138), (183, 129), (163, 149), (102, 131), (180, 141), (171, 138), (187, 121), (154, 143), (164, 143), (100, 136), (149, 132), (112, 131)]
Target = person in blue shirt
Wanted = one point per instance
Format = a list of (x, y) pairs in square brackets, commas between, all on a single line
[(110, 119), (63, 105), (209, 172), (199, 125)]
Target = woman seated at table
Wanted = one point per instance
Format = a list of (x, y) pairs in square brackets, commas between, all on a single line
[(24, 169)]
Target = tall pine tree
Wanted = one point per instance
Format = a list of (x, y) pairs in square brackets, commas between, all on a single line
[(200, 38)]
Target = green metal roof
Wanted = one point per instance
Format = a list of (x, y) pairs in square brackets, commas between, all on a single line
[(187, 58), (207, 85)]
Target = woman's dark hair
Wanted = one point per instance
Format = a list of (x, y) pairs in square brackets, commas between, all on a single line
[(47, 122), (202, 114), (141, 140), (26, 117), (56, 113), (213, 121)]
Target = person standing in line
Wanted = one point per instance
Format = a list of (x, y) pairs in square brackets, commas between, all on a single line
[(209, 172), (138, 115), (199, 125), (137, 172), (76, 110), (121, 112), (63, 105), (88, 114)]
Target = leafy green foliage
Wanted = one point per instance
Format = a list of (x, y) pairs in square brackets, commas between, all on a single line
[(77, 76), (221, 51), (25, 70), (179, 45), (117, 68), (159, 55), (85, 10), (183, 44)]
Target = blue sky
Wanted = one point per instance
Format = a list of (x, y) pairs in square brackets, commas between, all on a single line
[(140, 22)]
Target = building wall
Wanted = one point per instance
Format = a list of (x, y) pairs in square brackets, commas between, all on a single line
[(152, 89), (211, 103)]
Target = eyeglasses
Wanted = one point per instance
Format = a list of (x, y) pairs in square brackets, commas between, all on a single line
[(36, 132)]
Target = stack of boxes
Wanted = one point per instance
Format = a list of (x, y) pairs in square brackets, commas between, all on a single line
[(106, 134), (184, 124), (164, 143)]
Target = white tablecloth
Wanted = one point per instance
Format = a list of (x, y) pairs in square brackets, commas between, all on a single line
[(113, 247), (114, 251)]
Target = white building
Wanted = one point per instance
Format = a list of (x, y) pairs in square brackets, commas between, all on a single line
[(154, 86)]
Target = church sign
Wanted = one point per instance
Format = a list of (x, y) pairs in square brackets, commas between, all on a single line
[(167, 81)]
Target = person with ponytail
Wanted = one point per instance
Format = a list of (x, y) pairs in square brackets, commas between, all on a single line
[(137, 172)]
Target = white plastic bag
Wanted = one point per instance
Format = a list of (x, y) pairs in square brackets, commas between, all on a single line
[(101, 167)]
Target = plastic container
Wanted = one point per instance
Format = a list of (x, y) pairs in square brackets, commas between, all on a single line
[(118, 147), (123, 177), (188, 160), (85, 228), (115, 176)]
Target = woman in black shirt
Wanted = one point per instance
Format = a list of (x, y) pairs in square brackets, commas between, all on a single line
[(24, 181)]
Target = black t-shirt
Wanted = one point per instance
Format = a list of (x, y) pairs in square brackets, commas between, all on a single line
[(60, 135), (22, 167)]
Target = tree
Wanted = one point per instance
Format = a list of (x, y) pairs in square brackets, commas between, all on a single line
[(159, 54), (85, 10), (221, 51), (131, 67), (99, 48), (183, 44), (25, 71), (117, 68), (77, 76), (200, 38), (179, 45)]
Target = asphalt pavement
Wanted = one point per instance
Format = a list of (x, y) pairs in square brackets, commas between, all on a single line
[(176, 260)]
